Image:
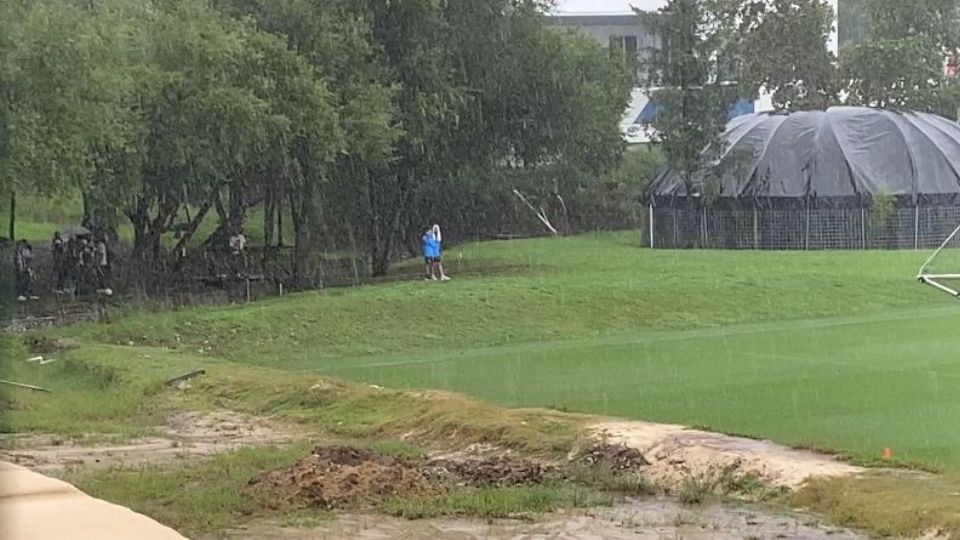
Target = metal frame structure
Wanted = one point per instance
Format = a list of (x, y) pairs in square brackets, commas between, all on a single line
[(934, 280)]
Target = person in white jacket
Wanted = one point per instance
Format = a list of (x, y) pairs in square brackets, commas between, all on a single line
[(433, 242)]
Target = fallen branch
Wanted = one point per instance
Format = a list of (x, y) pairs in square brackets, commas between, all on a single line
[(566, 215), (27, 386), (185, 377), (540, 214)]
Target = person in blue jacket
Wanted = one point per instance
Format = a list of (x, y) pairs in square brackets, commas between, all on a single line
[(431, 245), (427, 246)]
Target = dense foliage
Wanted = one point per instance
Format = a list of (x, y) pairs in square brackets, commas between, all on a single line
[(360, 118)]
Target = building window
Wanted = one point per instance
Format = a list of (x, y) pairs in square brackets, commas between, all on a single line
[(627, 44)]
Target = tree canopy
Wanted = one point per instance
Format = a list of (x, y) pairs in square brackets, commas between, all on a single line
[(357, 118)]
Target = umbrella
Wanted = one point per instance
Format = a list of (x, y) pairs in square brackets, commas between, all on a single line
[(75, 231)]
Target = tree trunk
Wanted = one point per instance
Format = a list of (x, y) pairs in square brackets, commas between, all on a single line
[(269, 211), (231, 218), (139, 218), (12, 231), (280, 221), (193, 226), (379, 243), (87, 220), (147, 232), (301, 213)]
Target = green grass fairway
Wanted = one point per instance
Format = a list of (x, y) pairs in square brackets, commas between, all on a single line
[(841, 350)]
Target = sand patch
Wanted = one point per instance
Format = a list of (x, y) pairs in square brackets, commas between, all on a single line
[(676, 453)]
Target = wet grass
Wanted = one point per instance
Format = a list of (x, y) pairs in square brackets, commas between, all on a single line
[(890, 504), (196, 496), (828, 350), (560, 290), (90, 396), (523, 502), (99, 389), (840, 350)]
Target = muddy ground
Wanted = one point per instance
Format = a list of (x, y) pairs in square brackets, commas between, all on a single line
[(345, 479), (654, 519), (186, 435)]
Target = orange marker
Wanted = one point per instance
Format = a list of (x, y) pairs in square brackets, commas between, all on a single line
[(887, 454)]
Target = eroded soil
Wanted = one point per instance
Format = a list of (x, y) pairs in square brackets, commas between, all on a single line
[(653, 519), (188, 434)]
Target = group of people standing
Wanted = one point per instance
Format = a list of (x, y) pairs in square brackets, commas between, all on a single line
[(83, 263), (80, 263)]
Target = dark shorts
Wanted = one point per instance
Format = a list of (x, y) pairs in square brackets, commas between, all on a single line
[(431, 260)]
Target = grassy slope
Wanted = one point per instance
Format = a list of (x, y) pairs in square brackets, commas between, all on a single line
[(833, 349), (841, 350)]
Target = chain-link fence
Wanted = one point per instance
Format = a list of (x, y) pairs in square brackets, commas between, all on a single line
[(682, 226)]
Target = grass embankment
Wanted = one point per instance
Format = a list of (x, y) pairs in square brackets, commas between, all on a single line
[(104, 392), (836, 350)]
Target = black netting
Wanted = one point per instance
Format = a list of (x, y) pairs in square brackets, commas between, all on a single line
[(777, 225)]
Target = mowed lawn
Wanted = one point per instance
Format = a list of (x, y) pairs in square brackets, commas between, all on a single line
[(842, 350)]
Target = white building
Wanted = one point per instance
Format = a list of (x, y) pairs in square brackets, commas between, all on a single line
[(615, 23)]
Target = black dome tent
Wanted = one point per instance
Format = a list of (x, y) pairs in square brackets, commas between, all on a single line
[(844, 178)]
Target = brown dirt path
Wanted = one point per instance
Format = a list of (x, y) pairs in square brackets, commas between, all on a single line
[(189, 434)]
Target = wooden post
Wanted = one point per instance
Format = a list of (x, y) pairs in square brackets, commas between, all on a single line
[(13, 217), (704, 229), (916, 226), (674, 213), (651, 226), (863, 228)]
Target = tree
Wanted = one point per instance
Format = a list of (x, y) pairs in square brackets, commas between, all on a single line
[(336, 38), (784, 50), (900, 63), (58, 96), (853, 22), (697, 68), (363, 119)]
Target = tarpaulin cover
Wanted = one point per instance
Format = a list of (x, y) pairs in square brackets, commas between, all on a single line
[(841, 154)]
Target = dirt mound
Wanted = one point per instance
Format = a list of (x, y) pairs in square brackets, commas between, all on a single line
[(617, 457), (347, 477), (340, 477), (346, 455), (493, 472)]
